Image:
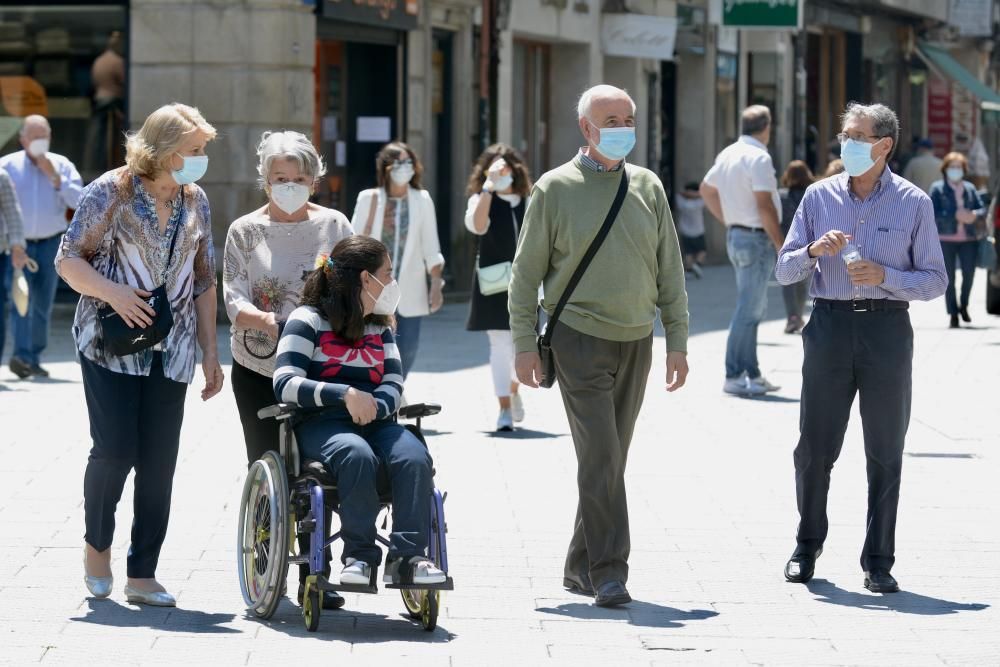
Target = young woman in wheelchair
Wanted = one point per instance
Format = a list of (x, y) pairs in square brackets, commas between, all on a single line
[(337, 354)]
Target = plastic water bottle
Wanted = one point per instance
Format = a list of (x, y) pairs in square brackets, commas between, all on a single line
[(850, 253)]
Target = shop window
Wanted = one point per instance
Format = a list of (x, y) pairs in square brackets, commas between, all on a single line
[(68, 63)]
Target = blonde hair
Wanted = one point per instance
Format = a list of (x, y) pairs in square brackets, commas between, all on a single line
[(148, 151)]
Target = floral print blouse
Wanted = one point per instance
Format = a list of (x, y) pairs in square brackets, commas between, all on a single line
[(116, 230), (266, 264)]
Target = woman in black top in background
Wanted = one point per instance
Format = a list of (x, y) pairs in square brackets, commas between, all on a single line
[(498, 196)]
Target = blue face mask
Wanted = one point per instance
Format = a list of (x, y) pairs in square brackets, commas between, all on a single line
[(194, 168), (857, 157), (616, 142)]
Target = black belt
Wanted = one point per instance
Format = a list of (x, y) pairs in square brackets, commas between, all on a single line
[(748, 229), (863, 305)]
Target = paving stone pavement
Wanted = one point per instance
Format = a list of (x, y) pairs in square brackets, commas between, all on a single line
[(711, 495)]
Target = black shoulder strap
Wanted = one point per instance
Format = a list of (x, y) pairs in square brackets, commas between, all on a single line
[(173, 239), (595, 245)]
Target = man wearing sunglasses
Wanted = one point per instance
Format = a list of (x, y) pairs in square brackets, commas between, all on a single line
[(868, 241)]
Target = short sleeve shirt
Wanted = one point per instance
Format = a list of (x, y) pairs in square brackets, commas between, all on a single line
[(740, 170)]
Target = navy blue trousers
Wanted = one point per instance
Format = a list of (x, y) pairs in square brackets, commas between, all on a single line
[(135, 423), (357, 457)]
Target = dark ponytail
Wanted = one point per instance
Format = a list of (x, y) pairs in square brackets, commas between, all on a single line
[(334, 289)]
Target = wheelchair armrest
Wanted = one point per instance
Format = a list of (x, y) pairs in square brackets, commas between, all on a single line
[(418, 410), (279, 411)]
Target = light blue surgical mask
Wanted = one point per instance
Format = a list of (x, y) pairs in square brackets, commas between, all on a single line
[(955, 174), (857, 157), (194, 168), (616, 142)]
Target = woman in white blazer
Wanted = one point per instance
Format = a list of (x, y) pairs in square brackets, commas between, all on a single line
[(401, 215)]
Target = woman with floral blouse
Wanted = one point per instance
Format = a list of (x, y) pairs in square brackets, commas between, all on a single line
[(269, 253), (137, 228)]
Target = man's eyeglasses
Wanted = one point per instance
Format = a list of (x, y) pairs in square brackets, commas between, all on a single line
[(856, 136)]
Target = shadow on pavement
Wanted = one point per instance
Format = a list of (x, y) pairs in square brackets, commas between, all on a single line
[(645, 614), (904, 601), (523, 434), (355, 627), (770, 398), (175, 619)]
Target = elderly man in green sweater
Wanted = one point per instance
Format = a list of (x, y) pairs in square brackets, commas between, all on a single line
[(603, 341)]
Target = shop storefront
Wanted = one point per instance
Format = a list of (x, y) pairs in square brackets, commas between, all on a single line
[(360, 102), (67, 62)]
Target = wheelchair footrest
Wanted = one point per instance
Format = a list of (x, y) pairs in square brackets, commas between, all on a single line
[(347, 588), (447, 585)]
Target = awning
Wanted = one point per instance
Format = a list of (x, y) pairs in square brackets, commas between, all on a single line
[(941, 61)]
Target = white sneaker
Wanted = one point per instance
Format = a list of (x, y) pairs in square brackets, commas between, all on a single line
[(505, 422), (517, 407), (743, 386), (423, 571), (696, 270), (762, 381), (356, 572)]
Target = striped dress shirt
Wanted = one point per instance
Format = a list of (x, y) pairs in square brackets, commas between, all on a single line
[(11, 227), (893, 227), (314, 367)]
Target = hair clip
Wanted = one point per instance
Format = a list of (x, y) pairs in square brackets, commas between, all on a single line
[(325, 262)]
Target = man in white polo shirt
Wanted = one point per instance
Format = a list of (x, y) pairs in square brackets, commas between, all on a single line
[(741, 191)]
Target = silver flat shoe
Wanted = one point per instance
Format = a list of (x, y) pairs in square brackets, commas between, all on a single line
[(156, 599), (99, 587)]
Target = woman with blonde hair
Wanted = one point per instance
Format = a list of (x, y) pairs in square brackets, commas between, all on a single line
[(401, 214), (498, 195), (269, 254), (139, 251)]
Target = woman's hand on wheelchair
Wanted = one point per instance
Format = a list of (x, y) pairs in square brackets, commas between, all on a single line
[(361, 405)]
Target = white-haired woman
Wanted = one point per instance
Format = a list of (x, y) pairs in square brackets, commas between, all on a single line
[(269, 252), (139, 229)]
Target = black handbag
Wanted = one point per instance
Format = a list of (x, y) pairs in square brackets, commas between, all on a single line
[(545, 339), (121, 340)]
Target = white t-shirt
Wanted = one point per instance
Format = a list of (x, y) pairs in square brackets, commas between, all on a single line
[(690, 216), (740, 170)]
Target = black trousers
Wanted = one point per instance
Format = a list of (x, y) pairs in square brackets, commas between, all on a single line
[(846, 353), (254, 392), (961, 254), (135, 422)]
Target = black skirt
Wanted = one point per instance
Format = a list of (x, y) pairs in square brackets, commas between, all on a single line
[(497, 245)]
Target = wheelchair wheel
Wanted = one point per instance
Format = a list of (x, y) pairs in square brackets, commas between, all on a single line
[(311, 606), (429, 610), (262, 541), (413, 601)]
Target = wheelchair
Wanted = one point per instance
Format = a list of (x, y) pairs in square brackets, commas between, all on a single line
[(284, 497)]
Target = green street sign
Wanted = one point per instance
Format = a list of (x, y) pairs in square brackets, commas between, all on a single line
[(762, 13)]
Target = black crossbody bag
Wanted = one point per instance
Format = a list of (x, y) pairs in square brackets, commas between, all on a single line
[(119, 339), (545, 339)]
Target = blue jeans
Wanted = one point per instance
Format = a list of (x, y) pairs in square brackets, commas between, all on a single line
[(31, 332), (963, 255), (407, 340), (6, 271), (753, 256), (358, 457)]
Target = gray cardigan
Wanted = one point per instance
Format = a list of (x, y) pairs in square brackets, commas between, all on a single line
[(11, 225)]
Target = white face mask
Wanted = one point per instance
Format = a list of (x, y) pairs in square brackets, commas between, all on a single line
[(289, 197), (388, 300), (402, 174), (38, 147)]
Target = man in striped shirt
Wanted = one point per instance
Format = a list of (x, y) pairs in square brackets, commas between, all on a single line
[(867, 239)]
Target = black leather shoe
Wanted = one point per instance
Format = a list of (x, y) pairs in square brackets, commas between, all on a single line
[(331, 599), (39, 371), (20, 367), (801, 567), (580, 585), (611, 594), (880, 581), (953, 322), (964, 312)]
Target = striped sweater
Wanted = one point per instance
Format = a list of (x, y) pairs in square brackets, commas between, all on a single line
[(315, 367)]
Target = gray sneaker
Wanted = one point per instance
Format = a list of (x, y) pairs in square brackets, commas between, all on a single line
[(414, 570), (762, 381), (743, 386), (517, 407)]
